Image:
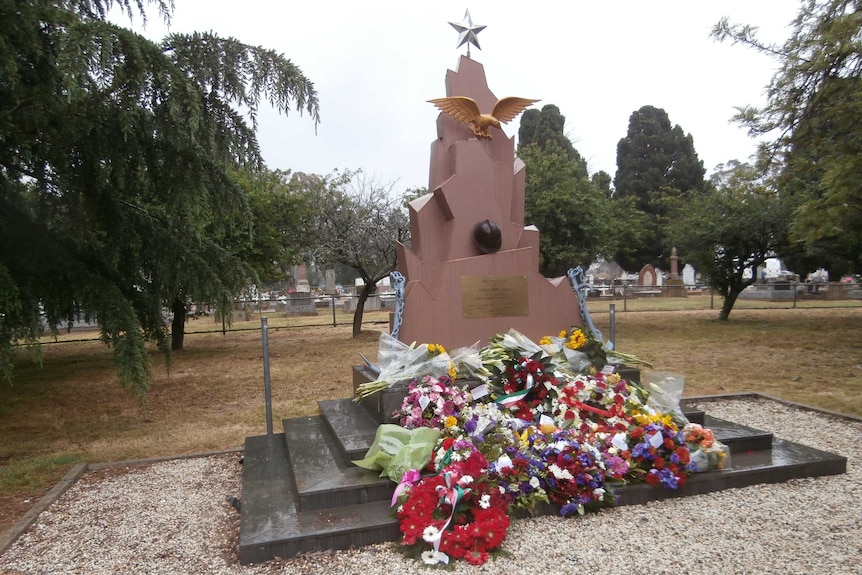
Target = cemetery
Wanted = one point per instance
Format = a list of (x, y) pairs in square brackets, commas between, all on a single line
[(532, 413), (496, 422)]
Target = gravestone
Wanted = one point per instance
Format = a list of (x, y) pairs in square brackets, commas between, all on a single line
[(688, 275), (647, 276), (329, 281), (302, 285), (459, 291)]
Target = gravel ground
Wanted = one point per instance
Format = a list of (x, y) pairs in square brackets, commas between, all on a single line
[(173, 517)]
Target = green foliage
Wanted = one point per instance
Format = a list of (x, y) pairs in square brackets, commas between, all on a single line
[(577, 216), (576, 220), (728, 230), (814, 102), (119, 193), (655, 163), (546, 128)]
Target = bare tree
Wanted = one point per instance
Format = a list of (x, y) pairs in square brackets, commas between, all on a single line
[(359, 222)]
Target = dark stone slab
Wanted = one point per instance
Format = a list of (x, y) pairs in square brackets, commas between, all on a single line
[(351, 425), (271, 526), (739, 438), (694, 415), (323, 477), (786, 460)]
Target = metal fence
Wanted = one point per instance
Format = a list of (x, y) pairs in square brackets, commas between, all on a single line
[(303, 310), (768, 295)]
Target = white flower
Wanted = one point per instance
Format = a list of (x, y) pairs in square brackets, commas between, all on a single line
[(598, 493), (430, 534), (485, 501), (504, 462), (534, 482), (432, 557), (465, 480), (559, 473)]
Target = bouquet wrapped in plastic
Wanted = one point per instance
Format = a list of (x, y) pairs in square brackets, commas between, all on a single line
[(707, 453), (397, 450), (398, 361)]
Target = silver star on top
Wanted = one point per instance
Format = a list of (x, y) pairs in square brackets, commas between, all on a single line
[(467, 32)]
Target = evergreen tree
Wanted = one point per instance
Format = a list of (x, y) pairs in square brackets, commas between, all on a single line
[(118, 164), (547, 128), (655, 162)]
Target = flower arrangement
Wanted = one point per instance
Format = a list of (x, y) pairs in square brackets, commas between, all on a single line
[(707, 452), (457, 513), (529, 385), (400, 362), (545, 434), (432, 402), (658, 453)]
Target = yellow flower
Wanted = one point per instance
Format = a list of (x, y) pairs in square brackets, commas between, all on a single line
[(451, 421), (436, 349), (563, 334), (453, 373), (545, 340), (577, 340)]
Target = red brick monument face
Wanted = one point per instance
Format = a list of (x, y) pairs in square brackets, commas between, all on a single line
[(473, 268)]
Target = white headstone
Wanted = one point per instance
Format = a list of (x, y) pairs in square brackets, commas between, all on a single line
[(688, 275)]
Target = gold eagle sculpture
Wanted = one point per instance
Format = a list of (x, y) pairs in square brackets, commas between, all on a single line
[(466, 110)]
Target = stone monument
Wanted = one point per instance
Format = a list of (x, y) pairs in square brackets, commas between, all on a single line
[(675, 287), (472, 269)]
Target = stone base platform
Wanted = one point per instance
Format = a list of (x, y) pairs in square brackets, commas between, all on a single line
[(302, 494)]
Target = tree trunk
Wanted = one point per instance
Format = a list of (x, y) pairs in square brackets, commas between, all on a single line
[(178, 324), (731, 295), (360, 308), (727, 305)]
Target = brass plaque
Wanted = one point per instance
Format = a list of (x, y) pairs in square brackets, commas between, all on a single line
[(494, 296)]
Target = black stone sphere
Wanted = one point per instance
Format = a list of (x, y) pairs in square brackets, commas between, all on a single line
[(488, 237)]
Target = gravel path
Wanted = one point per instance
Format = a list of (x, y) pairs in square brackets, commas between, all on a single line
[(173, 517)]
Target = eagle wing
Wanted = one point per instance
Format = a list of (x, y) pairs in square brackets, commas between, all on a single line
[(506, 109), (461, 108)]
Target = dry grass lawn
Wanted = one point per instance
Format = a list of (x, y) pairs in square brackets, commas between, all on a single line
[(72, 410)]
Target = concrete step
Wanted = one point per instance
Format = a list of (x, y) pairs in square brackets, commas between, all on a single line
[(323, 477), (351, 425), (270, 524), (739, 438)]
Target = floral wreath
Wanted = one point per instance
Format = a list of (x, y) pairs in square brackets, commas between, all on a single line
[(457, 513)]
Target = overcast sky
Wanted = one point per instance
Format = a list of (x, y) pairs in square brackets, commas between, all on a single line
[(375, 63)]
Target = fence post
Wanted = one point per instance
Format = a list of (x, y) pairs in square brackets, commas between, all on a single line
[(613, 317), (793, 286), (625, 297), (711, 295), (267, 388), (332, 305)]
